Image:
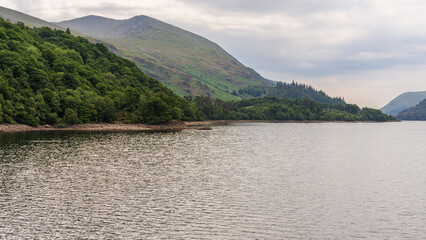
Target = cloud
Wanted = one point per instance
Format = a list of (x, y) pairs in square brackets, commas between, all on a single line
[(294, 7), (59, 10)]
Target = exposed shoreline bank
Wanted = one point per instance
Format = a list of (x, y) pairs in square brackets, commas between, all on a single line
[(173, 126)]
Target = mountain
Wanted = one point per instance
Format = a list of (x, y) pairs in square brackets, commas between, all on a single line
[(187, 63), (52, 77), (183, 61), (417, 113), (15, 16), (403, 102)]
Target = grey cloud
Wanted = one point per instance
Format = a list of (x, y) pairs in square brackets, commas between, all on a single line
[(263, 52), (108, 10), (379, 38), (26, 6), (277, 6)]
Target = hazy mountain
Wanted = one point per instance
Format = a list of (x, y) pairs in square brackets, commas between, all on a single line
[(403, 102), (183, 61), (417, 113), (15, 16)]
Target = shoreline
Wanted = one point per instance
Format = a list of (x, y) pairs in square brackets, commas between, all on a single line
[(172, 126)]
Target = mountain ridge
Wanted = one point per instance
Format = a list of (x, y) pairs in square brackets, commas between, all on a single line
[(93, 28), (403, 102), (186, 62)]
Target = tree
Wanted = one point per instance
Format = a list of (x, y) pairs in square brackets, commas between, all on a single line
[(37, 79), (49, 76), (132, 98), (1, 112), (156, 111), (71, 117), (69, 81)]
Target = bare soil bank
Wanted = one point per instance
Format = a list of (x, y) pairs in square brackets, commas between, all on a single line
[(172, 126)]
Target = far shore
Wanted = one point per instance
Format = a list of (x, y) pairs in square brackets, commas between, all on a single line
[(172, 126)]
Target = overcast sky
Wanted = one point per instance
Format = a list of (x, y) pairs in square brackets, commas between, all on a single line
[(367, 51)]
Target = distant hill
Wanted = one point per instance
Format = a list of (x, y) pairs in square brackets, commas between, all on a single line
[(15, 16), (403, 102), (187, 63), (417, 113)]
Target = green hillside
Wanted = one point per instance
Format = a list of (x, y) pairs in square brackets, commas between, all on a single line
[(403, 102), (185, 62), (417, 113), (51, 77)]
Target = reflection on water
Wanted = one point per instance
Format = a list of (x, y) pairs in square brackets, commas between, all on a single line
[(265, 181)]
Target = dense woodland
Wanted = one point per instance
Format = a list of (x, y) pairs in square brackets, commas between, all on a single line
[(51, 77), (289, 91), (272, 108)]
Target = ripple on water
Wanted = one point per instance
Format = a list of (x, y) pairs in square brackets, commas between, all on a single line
[(248, 181)]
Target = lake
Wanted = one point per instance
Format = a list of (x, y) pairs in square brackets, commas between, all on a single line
[(246, 181)]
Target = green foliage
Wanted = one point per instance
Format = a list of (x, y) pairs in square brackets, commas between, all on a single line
[(1, 108), (271, 108), (289, 91), (156, 111), (51, 77), (71, 116)]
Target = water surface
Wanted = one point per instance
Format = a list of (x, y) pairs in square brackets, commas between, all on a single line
[(248, 181)]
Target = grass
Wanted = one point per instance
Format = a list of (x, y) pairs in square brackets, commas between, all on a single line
[(197, 60)]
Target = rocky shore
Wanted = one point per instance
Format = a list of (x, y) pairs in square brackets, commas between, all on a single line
[(172, 126)]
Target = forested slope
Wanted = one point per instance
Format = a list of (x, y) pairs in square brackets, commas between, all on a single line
[(51, 77), (272, 108), (289, 91)]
